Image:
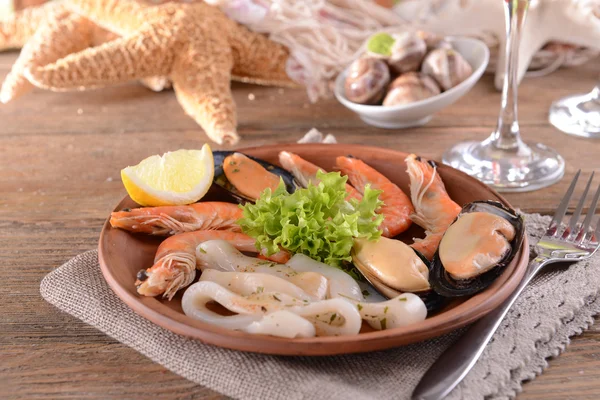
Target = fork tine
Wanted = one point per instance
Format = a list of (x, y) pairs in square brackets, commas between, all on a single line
[(594, 238), (577, 213), (591, 212), (564, 203)]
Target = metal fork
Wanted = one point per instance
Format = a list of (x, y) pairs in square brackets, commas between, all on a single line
[(561, 243)]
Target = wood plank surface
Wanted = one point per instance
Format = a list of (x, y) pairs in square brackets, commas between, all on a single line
[(60, 157)]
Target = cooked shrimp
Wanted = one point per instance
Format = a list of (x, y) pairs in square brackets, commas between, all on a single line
[(175, 261), (434, 209), (171, 220), (305, 171), (396, 207)]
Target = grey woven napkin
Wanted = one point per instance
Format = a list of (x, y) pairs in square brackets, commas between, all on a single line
[(560, 304)]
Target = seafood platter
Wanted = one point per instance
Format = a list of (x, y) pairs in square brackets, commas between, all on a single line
[(317, 249)]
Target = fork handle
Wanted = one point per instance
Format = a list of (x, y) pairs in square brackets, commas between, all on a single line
[(456, 362)]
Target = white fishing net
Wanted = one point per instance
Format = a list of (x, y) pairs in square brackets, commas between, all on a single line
[(324, 36)]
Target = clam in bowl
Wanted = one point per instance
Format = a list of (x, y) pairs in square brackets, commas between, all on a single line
[(418, 113)]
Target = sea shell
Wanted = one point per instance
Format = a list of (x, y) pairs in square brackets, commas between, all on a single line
[(447, 67), (407, 52), (434, 41), (411, 87), (366, 81)]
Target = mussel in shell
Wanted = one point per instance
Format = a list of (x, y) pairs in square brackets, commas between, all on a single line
[(392, 268), (476, 248), (246, 177)]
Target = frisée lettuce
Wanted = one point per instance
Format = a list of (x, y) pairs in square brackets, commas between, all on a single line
[(316, 221)]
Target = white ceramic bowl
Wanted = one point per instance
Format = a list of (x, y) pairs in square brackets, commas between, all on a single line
[(420, 112)]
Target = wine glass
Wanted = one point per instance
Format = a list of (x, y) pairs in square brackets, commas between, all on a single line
[(578, 115), (504, 161)]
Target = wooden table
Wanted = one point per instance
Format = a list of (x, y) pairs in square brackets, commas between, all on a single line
[(60, 157)]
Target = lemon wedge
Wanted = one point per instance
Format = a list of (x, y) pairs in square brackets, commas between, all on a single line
[(175, 178)]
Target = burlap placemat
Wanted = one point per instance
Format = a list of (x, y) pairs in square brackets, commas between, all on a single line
[(559, 304)]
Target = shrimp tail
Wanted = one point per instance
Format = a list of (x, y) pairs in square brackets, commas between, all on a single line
[(434, 209), (429, 245), (305, 172), (421, 179)]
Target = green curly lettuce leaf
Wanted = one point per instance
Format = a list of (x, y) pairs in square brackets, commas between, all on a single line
[(316, 221)]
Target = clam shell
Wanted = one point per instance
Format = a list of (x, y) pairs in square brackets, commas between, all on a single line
[(366, 81)]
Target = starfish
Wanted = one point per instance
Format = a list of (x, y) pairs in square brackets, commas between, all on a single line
[(46, 34), (195, 45)]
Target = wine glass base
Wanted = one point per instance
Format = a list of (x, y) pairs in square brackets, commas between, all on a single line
[(530, 167), (577, 115)]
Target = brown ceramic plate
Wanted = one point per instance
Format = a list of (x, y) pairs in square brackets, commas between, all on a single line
[(123, 254)]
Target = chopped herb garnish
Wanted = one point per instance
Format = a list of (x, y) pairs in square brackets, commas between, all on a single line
[(306, 301), (347, 297), (236, 170), (201, 250), (383, 323), (365, 293), (276, 298), (359, 306), (402, 299), (332, 317), (231, 162), (260, 289), (385, 310)]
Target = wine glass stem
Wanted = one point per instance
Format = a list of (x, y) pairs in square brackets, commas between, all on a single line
[(507, 135)]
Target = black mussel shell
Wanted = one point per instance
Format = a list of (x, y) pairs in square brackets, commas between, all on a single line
[(221, 179), (443, 284), (433, 301)]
